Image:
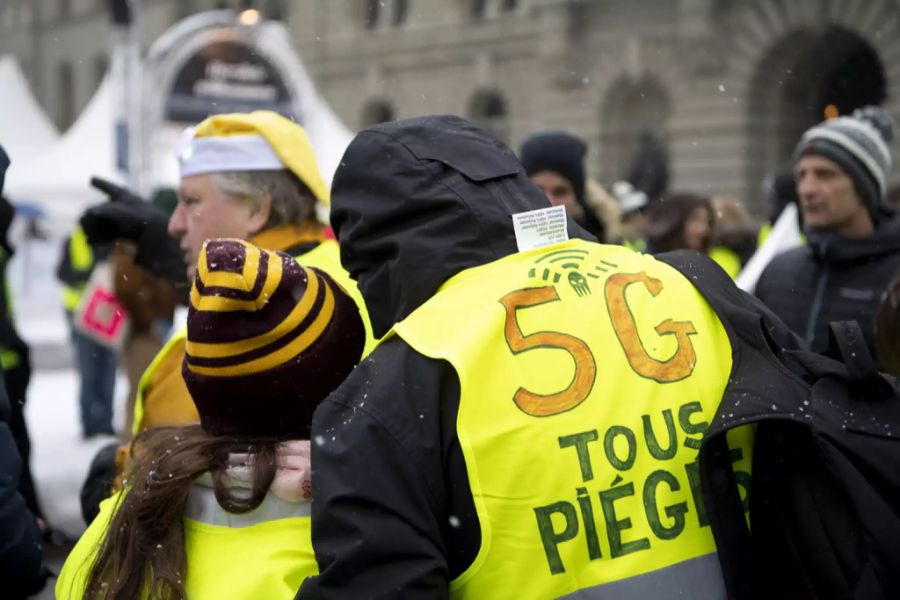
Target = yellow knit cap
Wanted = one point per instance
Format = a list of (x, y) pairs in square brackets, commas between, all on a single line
[(287, 139)]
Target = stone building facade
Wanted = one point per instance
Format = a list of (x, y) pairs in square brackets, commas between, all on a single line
[(726, 85)]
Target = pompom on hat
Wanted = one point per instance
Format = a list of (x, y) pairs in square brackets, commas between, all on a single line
[(859, 144), (268, 339), (257, 141)]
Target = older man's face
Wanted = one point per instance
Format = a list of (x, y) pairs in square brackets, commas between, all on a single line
[(204, 213)]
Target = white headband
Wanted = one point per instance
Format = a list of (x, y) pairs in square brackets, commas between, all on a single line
[(233, 153)]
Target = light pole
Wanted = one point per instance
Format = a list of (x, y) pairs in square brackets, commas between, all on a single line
[(125, 74)]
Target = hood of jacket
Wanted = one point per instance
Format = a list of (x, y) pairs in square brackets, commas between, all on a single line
[(829, 247), (416, 201)]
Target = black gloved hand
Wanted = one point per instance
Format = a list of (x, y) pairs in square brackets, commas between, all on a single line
[(127, 216), (124, 217)]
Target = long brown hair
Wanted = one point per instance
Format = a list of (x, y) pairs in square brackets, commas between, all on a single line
[(666, 219), (143, 549)]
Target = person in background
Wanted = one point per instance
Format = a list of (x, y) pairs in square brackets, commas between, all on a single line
[(779, 190), (841, 168), (221, 509), (606, 208), (649, 171), (554, 161), (734, 235), (248, 176), (150, 301), (22, 572), (633, 208), (96, 362), (680, 221)]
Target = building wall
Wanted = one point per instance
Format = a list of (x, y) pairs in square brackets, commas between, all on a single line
[(696, 70)]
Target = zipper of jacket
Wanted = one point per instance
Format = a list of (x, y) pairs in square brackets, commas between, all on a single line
[(816, 308)]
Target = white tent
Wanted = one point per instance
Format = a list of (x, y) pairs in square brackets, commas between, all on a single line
[(58, 178), (25, 131)]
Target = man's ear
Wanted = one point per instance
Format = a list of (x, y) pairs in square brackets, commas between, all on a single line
[(259, 214)]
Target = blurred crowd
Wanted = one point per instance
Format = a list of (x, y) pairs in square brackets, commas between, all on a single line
[(283, 306)]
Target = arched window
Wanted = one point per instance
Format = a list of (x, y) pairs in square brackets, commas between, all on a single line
[(380, 14), (376, 111), (488, 110), (801, 80), (487, 9), (372, 13), (277, 10), (634, 111), (399, 11)]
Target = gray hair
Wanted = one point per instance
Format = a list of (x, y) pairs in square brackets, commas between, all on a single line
[(292, 201)]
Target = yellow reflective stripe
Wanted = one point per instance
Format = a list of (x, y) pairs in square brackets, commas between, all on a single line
[(282, 355), (236, 282), (9, 359), (202, 350), (80, 252)]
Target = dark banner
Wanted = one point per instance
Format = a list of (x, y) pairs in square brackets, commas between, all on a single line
[(225, 77)]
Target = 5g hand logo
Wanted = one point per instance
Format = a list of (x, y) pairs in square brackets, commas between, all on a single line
[(677, 367)]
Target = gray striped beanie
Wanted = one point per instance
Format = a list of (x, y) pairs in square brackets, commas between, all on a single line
[(859, 144)]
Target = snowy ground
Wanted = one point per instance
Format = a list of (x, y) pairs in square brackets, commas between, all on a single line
[(59, 458)]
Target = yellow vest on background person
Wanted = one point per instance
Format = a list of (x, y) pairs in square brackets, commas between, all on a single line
[(726, 258), (81, 257), (588, 375), (271, 544)]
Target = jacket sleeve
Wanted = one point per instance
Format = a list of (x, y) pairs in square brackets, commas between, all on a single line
[(21, 551), (387, 476)]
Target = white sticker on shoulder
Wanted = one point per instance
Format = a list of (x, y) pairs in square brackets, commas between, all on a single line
[(541, 227)]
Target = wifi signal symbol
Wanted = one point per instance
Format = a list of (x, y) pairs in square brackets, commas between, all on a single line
[(570, 258)]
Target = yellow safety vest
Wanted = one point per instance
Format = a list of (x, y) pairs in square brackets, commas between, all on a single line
[(588, 374), (326, 257), (266, 553), (82, 257), (9, 358), (728, 259)]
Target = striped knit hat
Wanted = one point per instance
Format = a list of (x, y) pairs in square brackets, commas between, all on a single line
[(268, 339), (859, 145)]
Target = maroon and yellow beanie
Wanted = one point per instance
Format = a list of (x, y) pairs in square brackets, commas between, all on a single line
[(268, 339)]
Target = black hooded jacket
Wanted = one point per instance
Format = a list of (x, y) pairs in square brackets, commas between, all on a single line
[(832, 278), (21, 551), (413, 203)]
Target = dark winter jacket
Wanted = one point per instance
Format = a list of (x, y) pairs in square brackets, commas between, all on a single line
[(413, 203), (832, 278), (21, 551)]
